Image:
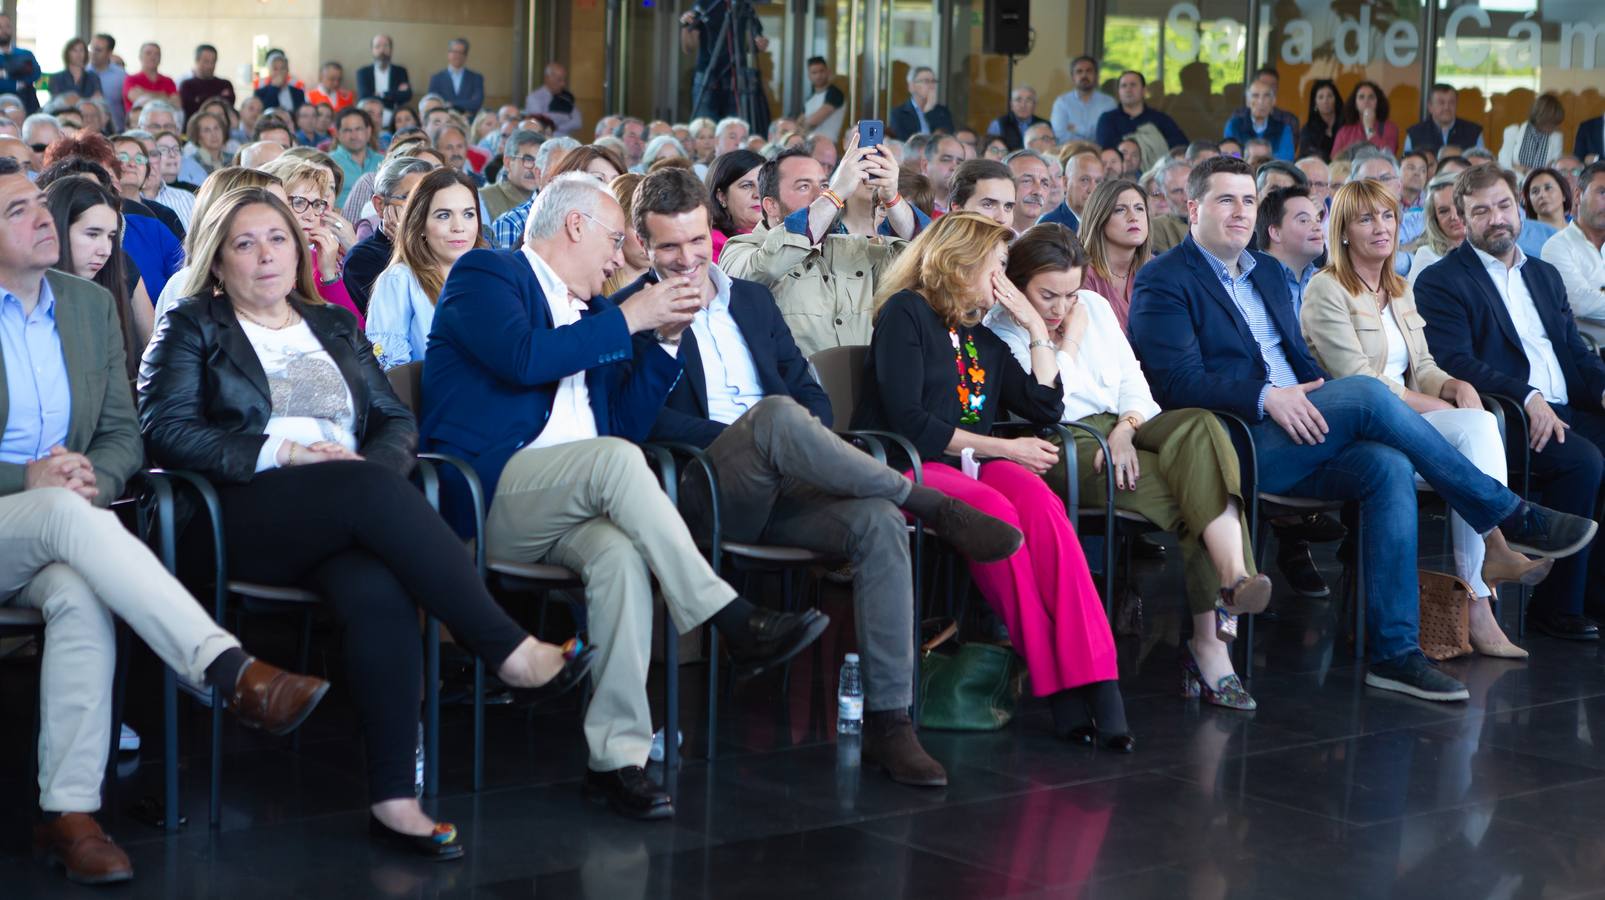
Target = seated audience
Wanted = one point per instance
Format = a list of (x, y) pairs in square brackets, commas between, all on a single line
[(984, 186), (439, 223), (520, 176), (70, 445), (1498, 319), (397, 178), (1536, 142), (939, 379), (532, 379), (1192, 316), (89, 230), (1116, 236), (1576, 253), (304, 436), (1258, 121), (311, 191), (636, 260), (1444, 230), (1359, 318), (1547, 197), (1013, 125), (1290, 229), (1365, 121), (1083, 172), (1033, 178), (217, 184), (1443, 125), (1177, 469), (557, 156), (819, 248), (747, 397), (733, 190)]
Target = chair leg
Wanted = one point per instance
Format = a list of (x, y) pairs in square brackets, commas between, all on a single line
[(431, 706), (1359, 591), (713, 692), (169, 749), (216, 811), (671, 699), (304, 665), (479, 724)]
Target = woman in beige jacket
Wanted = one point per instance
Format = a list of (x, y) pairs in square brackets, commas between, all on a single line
[(1359, 318)]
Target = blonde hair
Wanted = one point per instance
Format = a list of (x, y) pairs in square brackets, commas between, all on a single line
[(1436, 239), (623, 189), (217, 184), (939, 264), (292, 171), (213, 230), (1100, 208), (1349, 202)]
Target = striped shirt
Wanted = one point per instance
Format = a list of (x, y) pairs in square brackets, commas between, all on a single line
[(1251, 304)]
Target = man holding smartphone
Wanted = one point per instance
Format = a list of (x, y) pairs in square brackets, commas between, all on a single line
[(822, 244)]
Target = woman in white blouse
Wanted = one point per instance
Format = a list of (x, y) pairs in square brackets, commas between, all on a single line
[(1359, 318), (1537, 141), (1178, 468), (439, 224)]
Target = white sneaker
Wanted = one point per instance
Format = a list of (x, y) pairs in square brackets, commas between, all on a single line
[(128, 741)]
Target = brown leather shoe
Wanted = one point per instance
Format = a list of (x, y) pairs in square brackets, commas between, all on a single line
[(273, 700), (890, 742), (75, 841)]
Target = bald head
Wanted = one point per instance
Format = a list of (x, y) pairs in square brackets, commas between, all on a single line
[(555, 77), (259, 154), (14, 148)]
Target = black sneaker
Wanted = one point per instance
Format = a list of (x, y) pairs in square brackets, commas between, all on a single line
[(1316, 528), (1298, 567), (1415, 675), (1540, 531)]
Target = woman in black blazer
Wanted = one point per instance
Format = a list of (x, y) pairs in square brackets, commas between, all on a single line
[(940, 379), (275, 396)]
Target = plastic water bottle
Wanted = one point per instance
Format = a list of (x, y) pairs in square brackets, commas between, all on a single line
[(850, 698), (657, 743), (418, 764)]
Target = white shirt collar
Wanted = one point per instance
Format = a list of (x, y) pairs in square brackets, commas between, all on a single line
[(721, 288), (1494, 264), (550, 283)]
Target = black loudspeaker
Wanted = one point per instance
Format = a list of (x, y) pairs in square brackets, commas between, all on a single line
[(1008, 28)]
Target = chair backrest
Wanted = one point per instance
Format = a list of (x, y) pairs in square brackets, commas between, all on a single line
[(840, 371), (407, 382)]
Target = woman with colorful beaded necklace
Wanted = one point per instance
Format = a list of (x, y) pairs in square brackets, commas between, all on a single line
[(938, 378)]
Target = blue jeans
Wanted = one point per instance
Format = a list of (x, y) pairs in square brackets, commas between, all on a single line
[(1375, 446)]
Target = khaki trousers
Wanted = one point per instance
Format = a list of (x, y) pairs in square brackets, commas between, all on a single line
[(79, 567), (595, 507)]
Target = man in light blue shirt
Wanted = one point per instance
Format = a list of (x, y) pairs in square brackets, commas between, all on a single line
[(1075, 113), (1289, 228), (355, 156), (40, 403)]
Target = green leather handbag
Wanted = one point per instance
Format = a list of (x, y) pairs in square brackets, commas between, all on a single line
[(975, 687)]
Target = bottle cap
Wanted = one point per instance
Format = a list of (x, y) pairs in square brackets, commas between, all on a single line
[(852, 657)]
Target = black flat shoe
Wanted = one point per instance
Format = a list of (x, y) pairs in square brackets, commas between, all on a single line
[(1120, 743), (630, 793), (440, 846), (777, 638), (1566, 627), (579, 657), (1081, 735)]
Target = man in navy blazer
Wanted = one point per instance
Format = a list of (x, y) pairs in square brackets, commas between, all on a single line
[(921, 114), (534, 380), (462, 88), (1213, 323), (1499, 319), (748, 397)]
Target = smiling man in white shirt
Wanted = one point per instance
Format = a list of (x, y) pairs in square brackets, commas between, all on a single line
[(1578, 253)]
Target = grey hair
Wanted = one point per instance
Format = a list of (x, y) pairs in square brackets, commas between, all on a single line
[(656, 145), (569, 192), (1163, 168), (915, 72), (520, 138), (1284, 167), (727, 123), (160, 106), (33, 122), (1053, 165), (396, 168), (1365, 155), (564, 144), (699, 123)]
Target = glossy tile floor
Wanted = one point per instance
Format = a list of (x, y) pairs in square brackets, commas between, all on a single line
[(1331, 790)]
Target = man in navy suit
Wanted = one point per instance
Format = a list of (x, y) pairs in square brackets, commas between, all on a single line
[(921, 114), (1213, 323), (381, 79), (1499, 319), (462, 88), (532, 378), (784, 477)]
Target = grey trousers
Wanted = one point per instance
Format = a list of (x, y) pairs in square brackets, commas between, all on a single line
[(784, 478), (595, 507), (79, 567)]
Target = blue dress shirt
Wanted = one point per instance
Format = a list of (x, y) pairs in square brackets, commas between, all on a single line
[(36, 378), (1246, 297)]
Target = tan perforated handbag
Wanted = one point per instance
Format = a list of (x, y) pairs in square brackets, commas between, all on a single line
[(1445, 615)]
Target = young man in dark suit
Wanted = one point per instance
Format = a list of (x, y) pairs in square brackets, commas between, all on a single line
[(1499, 319), (748, 398), (531, 376), (462, 88), (1213, 323), (381, 79)]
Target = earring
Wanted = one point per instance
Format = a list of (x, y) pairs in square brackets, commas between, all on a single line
[(1345, 242)]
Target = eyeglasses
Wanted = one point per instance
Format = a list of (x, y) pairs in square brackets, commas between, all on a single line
[(527, 160), (394, 199), (618, 237), (302, 204), (133, 158)]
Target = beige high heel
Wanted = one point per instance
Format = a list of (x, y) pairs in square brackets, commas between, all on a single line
[(1503, 648), (1501, 564)]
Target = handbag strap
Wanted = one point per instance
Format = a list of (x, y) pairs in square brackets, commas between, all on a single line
[(940, 638)]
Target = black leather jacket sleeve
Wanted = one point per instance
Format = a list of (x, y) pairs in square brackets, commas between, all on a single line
[(390, 433)]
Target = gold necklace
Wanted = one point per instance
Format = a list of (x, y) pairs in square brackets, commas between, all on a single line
[(289, 318)]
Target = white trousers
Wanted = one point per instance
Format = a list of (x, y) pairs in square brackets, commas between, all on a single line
[(1475, 433), (80, 568)]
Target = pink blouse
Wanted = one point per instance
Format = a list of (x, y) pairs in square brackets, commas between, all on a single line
[(1386, 137), (1119, 301)]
